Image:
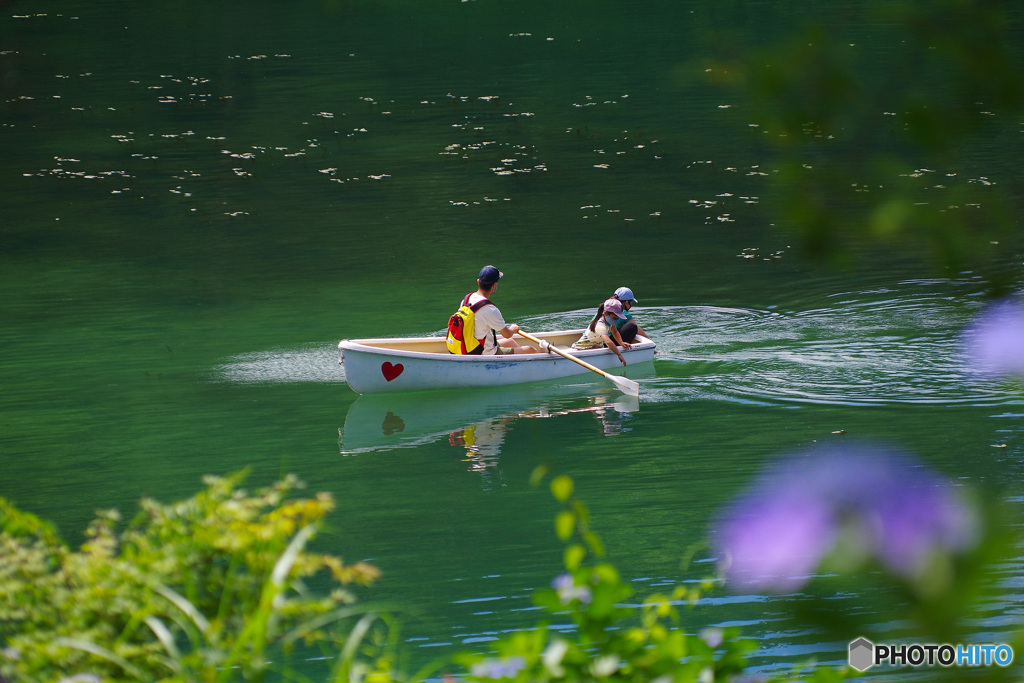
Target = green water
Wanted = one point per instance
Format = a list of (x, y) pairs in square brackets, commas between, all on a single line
[(199, 199)]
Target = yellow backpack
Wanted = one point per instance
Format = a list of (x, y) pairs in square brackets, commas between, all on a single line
[(459, 340)]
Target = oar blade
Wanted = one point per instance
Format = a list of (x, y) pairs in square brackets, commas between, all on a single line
[(627, 404), (626, 385)]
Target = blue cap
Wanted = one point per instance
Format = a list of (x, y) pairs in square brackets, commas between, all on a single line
[(625, 294), (489, 275)]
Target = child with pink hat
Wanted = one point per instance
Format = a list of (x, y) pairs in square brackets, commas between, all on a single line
[(603, 331)]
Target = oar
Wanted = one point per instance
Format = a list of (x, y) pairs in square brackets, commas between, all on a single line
[(625, 385)]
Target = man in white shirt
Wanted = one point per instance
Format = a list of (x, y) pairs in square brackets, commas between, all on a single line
[(489, 322)]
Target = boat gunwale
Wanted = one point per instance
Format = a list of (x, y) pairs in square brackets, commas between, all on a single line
[(366, 346)]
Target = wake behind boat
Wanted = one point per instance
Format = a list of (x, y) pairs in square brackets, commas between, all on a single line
[(374, 366)]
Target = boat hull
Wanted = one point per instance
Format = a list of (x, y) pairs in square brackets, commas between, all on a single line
[(374, 366)]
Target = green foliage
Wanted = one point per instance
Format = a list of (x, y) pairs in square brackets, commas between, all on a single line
[(210, 588), (612, 639), (871, 130)]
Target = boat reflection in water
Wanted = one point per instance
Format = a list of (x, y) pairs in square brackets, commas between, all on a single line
[(476, 420)]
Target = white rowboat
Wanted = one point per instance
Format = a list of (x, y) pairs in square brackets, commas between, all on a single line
[(374, 366)]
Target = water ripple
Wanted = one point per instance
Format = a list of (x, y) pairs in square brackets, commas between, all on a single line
[(310, 363), (880, 347)]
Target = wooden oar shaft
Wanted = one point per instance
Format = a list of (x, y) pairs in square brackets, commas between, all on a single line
[(627, 386), (566, 354)]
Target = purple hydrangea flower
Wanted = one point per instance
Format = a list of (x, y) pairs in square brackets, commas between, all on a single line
[(498, 669), (994, 342), (714, 637), (862, 501), (568, 591)]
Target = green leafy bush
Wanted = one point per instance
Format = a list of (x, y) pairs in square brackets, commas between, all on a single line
[(213, 589), (204, 589), (611, 640)]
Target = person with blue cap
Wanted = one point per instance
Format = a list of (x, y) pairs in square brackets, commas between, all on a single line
[(487, 321), (629, 328)]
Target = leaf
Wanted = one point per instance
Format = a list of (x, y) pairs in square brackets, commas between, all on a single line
[(594, 541), (103, 653), (574, 555), (561, 488), (284, 564), (346, 659), (565, 524), (23, 524), (166, 638), (187, 608)]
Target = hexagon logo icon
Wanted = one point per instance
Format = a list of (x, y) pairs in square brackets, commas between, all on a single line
[(862, 654)]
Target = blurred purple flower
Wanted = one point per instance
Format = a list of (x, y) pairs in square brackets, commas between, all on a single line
[(714, 637), (568, 591), (994, 342), (858, 500), (497, 669)]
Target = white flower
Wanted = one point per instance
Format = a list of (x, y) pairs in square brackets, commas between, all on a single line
[(605, 666), (553, 655)]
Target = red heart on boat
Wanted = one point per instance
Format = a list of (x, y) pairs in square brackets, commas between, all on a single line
[(391, 371)]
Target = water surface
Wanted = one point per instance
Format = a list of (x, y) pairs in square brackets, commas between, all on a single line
[(200, 199)]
